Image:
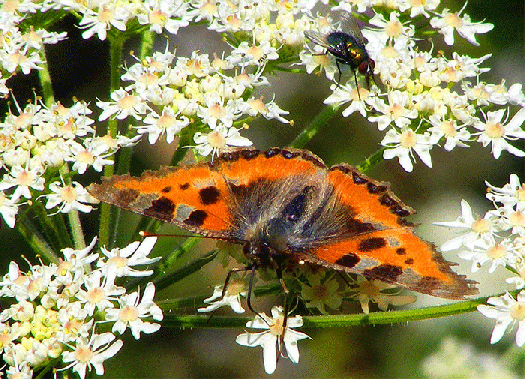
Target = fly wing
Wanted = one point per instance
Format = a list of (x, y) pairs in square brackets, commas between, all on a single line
[(317, 38), (350, 26)]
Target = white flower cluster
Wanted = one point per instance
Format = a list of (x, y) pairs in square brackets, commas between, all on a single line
[(40, 139), (21, 48), (167, 94), (428, 99), (281, 22), (497, 238), (99, 17), (58, 308)]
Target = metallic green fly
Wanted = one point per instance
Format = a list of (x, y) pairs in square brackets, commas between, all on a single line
[(347, 49)]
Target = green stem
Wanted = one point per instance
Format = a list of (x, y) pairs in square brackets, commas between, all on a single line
[(374, 318), (54, 228), (45, 81), (35, 240), (146, 45), (317, 123), (74, 220), (372, 160), (107, 219)]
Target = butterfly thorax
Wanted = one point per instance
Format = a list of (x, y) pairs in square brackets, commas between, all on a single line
[(269, 247)]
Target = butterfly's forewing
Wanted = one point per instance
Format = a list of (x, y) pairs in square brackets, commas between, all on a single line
[(199, 197)]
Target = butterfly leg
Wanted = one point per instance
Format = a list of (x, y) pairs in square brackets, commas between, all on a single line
[(286, 306)]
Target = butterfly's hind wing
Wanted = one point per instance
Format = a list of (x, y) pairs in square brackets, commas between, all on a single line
[(368, 235)]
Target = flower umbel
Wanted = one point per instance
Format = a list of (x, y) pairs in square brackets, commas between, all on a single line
[(56, 309)]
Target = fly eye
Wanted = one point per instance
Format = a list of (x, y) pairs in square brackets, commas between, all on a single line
[(366, 67)]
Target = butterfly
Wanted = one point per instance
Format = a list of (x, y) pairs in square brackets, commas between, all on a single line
[(286, 207)]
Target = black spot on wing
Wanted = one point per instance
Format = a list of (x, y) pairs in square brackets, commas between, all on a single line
[(184, 186), (196, 218), (209, 195), (356, 227), (166, 189), (409, 261), (161, 208), (401, 251), (348, 260), (370, 244), (385, 272)]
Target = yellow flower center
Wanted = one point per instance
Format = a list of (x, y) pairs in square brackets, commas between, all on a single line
[(216, 140), (128, 314), (96, 295), (494, 130), (408, 139), (86, 157), (394, 29), (517, 218), (448, 129), (68, 194), (83, 354), (127, 102), (276, 329), (118, 261), (452, 19), (517, 311), (496, 251)]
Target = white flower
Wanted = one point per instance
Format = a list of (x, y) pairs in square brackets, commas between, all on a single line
[(398, 110), (319, 293), (478, 230), (447, 128), (23, 179), (318, 58), (123, 105), (373, 291), (69, 197), (506, 311), (498, 253), (447, 22), (91, 154), (168, 123), (232, 297), (497, 133), (120, 262), (403, 144), (132, 310), (92, 353), (510, 195), (219, 140), (99, 292), (108, 14), (271, 339), (8, 210), (359, 97)]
